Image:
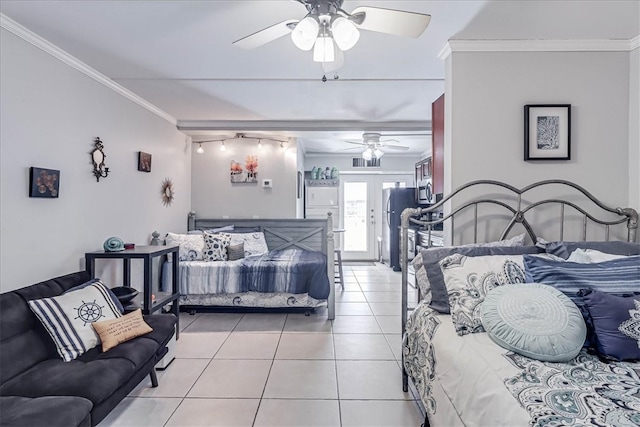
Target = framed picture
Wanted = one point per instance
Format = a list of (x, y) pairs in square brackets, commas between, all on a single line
[(144, 161), (547, 132), (44, 183)]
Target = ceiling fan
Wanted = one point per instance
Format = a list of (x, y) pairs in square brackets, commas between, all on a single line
[(372, 145), (329, 30)]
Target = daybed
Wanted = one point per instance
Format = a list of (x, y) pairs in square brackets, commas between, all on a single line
[(38, 388), (486, 346), (270, 263)]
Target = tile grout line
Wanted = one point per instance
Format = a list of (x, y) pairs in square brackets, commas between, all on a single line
[(273, 359)]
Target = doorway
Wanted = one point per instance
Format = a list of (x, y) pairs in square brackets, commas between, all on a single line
[(362, 213)]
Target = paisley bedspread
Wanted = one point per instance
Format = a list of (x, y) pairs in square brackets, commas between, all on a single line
[(469, 380), (582, 392)]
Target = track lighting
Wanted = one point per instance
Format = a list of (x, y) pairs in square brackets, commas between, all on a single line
[(200, 150), (259, 144), (222, 146)]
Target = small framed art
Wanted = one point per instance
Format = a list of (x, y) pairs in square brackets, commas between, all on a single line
[(547, 132), (44, 183), (144, 161)]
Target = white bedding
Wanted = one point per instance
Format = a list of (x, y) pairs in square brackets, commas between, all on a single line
[(469, 380)]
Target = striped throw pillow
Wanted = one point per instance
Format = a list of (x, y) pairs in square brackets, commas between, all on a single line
[(68, 317)]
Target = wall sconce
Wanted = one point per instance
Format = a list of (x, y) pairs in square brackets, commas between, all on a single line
[(97, 157)]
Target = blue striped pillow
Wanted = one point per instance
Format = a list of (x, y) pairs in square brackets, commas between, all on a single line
[(616, 277), (68, 317)]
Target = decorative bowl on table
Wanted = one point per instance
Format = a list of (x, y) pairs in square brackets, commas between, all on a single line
[(124, 293)]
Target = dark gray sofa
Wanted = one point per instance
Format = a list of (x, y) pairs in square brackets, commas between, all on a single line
[(38, 388)]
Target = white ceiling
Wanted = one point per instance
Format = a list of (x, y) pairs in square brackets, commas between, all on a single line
[(178, 55)]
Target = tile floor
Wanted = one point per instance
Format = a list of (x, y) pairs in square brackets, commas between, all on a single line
[(279, 369)]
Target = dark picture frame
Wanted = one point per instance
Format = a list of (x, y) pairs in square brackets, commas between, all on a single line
[(44, 183), (547, 132), (144, 161)]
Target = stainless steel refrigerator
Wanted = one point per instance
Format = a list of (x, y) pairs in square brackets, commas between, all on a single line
[(394, 201)]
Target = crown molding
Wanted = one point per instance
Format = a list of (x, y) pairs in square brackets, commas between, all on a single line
[(597, 45), (302, 125), (48, 47)]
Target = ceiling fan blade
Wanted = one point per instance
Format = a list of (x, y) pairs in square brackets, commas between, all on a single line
[(266, 35), (355, 142), (384, 143), (395, 147), (390, 21)]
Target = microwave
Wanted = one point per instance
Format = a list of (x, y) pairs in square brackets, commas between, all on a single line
[(425, 193)]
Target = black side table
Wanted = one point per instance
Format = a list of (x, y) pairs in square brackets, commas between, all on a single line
[(145, 253)]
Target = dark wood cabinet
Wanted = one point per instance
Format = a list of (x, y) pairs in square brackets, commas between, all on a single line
[(437, 147)]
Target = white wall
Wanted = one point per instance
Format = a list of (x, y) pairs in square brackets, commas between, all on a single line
[(634, 129), (485, 105), (50, 114), (214, 196)]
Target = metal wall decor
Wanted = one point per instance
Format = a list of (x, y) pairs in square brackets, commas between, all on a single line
[(97, 158), (167, 192)]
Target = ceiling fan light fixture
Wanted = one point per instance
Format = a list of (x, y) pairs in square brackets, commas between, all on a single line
[(345, 33), (367, 154), (305, 33), (324, 50), (378, 153), (200, 150)]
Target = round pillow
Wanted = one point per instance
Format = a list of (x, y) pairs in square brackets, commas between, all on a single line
[(535, 320)]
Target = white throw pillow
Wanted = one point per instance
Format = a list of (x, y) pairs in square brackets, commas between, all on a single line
[(586, 256), (191, 246), (68, 317), (254, 243), (469, 279)]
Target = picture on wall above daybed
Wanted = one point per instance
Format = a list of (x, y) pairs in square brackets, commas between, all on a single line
[(44, 182), (247, 174)]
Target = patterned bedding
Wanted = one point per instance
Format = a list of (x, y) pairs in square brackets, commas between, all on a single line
[(469, 380), (285, 274)]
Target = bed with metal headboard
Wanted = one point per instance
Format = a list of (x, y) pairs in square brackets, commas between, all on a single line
[(297, 271), (462, 375)]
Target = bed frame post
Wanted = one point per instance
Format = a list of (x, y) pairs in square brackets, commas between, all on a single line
[(191, 221), (331, 301), (404, 266)]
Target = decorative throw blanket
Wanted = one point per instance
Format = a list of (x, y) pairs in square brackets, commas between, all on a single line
[(582, 392), (293, 271)]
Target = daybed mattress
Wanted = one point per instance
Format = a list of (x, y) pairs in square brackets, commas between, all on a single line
[(290, 277), (471, 381)]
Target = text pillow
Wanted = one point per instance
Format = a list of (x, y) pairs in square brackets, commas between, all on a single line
[(469, 280), (534, 320), (68, 317), (215, 246), (125, 328), (616, 323)]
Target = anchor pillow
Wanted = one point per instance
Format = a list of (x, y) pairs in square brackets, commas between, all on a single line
[(68, 317)]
